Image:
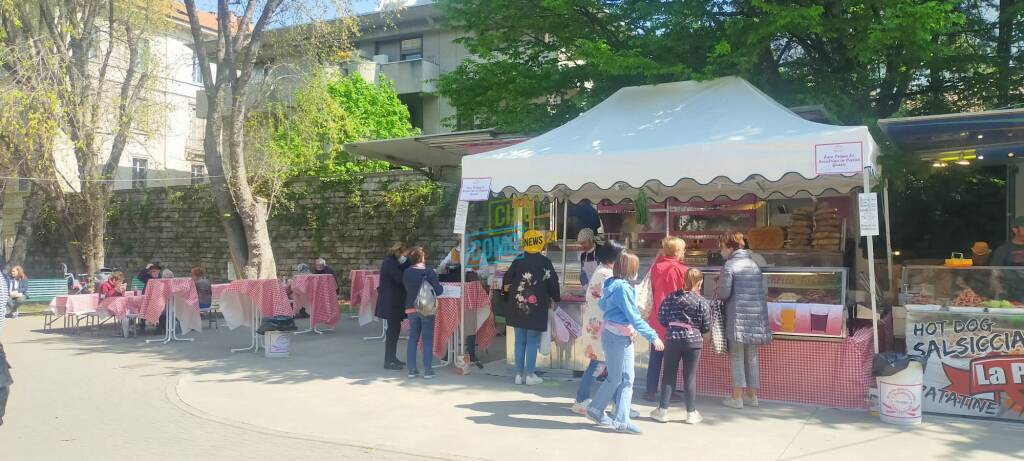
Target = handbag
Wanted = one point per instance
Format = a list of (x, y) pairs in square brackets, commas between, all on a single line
[(426, 299), (645, 297), (718, 341)]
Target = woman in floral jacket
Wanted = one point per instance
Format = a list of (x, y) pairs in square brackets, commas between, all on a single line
[(531, 283)]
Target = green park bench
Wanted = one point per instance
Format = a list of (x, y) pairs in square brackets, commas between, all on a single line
[(44, 290)]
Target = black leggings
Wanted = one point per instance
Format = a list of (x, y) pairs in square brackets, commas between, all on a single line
[(674, 352), (391, 340)]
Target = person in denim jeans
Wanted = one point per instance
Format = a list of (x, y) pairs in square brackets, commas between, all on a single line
[(622, 321), (530, 284), (593, 325), (420, 326)]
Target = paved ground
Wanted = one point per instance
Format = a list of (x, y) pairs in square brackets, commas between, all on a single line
[(97, 397)]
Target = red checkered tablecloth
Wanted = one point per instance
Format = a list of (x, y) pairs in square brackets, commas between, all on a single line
[(75, 304), (448, 318), (830, 374), (363, 293), (266, 294), (318, 293), (120, 306), (160, 291), (217, 291)]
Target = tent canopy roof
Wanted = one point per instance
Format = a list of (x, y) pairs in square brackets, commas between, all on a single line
[(685, 140)]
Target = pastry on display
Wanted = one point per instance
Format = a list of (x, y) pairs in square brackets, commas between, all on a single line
[(766, 238)]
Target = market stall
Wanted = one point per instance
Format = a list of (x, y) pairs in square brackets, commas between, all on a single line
[(721, 148), (969, 323)]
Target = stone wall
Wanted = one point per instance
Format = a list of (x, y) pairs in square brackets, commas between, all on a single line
[(349, 225)]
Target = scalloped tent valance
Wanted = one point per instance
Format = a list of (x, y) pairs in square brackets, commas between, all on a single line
[(682, 140)]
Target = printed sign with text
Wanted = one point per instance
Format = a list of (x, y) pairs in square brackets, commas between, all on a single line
[(839, 158), (475, 189)]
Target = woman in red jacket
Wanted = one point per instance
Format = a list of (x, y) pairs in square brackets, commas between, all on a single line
[(668, 274)]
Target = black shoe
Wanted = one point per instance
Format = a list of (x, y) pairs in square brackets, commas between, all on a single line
[(398, 362), (302, 314), (394, 366)]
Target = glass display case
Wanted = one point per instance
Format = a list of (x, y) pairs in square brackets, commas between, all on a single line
[(965, 289), (804, 302)]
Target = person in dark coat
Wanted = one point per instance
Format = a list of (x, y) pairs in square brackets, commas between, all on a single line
[(744, 297), (391, 302), (531, 283)]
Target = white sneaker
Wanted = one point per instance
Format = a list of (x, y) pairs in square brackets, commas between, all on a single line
[(580, 408), (729, 402), (660, 415), (519, 380), (751, 401), (533, 380), (694, 417)]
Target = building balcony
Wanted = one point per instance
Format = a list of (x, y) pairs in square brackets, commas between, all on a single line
[(410, 76)]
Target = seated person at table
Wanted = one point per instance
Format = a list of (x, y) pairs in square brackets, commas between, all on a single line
[(17, 285), (152, 271), (203, 287), (321, 267), (114, 286)]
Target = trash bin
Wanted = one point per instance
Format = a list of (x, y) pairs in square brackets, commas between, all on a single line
[(900, 379), (276, 343)]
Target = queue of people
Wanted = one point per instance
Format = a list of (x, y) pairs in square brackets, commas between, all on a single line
[(675, 328)]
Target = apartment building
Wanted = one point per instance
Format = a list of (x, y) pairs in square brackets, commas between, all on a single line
[(412, 47), (171, 153)]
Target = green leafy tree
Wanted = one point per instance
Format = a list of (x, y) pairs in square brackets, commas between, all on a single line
[(331, 111), (88, 63)]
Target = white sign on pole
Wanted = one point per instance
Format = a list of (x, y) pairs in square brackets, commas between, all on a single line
[(461, 212), (475, 189), (839, 158), (868, 214)]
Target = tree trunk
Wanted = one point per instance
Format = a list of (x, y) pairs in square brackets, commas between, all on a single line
[(1007, 13), (23, 236)]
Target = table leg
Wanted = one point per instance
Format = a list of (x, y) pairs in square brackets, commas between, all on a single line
[(312, 323), (254, 318), (383, 331), (171, 325)]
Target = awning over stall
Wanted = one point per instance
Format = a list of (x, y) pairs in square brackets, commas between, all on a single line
[(718, 138)]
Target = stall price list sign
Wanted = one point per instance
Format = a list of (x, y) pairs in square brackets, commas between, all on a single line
[(868, 214)]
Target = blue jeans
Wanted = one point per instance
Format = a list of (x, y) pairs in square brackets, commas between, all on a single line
[(527, 343), (588, 380), (619, 353), (420, 326)]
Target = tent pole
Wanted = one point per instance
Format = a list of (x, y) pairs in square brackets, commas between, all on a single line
[(565, 237), (888, 241), (870, 241), (667, 225), (459, 345)]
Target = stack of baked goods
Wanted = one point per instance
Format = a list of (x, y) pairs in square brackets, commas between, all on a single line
[(827, 228), (766, 238), (801, 224)]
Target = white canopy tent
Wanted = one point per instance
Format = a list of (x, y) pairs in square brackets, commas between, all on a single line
[(718, 138), (682, 140)]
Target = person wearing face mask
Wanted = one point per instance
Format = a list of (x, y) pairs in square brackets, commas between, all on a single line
[(391, 301)]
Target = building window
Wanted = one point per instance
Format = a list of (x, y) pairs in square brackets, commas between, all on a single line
[(198, 173), (139, 172), (197, 70), (411, 48)]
